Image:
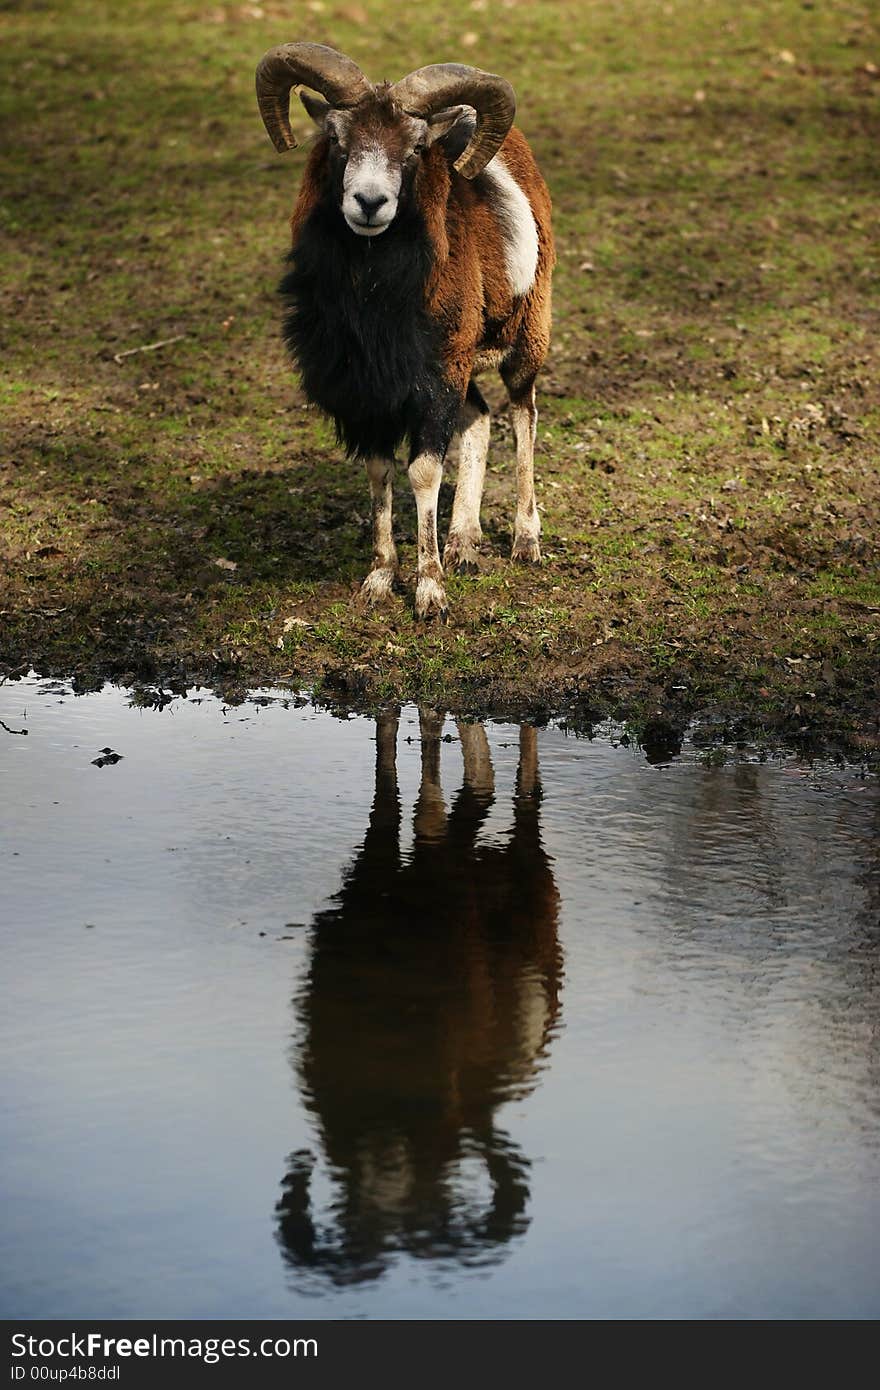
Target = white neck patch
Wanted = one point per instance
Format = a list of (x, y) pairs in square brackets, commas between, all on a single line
[(511, 207)]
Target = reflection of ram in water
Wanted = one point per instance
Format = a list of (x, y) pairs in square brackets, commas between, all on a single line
[(431, 995)]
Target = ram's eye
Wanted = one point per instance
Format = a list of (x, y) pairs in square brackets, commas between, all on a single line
[(420, 147), (334, 138)]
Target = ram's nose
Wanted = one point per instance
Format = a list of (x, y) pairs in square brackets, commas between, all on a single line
[(370, 206)]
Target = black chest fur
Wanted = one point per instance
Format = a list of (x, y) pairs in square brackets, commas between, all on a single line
[(358, 330)]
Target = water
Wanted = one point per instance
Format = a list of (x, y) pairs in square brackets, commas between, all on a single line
[(288, 1033)]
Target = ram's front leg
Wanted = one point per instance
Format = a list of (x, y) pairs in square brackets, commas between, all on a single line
[(425, 474), (430, 441), (380, 582)]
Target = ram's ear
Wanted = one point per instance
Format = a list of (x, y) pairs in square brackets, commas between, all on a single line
[(442, 122), (318, 110)]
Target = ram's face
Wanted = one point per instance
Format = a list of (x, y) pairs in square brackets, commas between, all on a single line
[(374, 164), (374, 153)]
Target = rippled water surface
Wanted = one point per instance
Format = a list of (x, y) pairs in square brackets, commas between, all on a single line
[(305, 1017)]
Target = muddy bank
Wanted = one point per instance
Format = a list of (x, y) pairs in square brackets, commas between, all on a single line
[(654, 717)]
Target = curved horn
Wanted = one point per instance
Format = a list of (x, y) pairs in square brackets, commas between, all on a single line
[(452, 84), (312, 65)]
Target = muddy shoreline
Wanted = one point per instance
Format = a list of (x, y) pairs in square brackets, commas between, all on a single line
[(653, 714)]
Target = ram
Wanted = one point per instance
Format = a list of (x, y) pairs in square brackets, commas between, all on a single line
[(422, 254)]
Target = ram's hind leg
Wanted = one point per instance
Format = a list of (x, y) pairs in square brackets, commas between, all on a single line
[(524, 419), (380, 582), (463, 542)]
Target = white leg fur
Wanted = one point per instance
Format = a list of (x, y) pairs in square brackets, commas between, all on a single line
[(463, 543), (379, 583), (527, 528), (425, 473)]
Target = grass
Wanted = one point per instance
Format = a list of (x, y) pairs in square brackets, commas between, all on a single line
[(710, 413)]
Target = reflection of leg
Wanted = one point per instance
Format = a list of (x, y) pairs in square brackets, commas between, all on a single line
[(478, 773), (379, 858), (527, 775), (463, 543), (386, 755), (477, 791), (429, 822), (380, 581)]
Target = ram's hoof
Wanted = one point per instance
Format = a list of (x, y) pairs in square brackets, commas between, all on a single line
[(461, 553), (526, 550), (431, 600), (379, 585)]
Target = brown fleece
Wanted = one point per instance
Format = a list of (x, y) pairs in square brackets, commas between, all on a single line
[(467, 291)]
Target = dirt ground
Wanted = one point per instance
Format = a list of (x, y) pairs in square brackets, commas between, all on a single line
[(710, 414)]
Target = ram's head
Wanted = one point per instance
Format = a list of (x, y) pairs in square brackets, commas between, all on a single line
[(377, 135)]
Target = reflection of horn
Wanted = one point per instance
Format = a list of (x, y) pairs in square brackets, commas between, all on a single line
[(510, 1192), (498, 1222), (294, 1212), (431, 996)]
